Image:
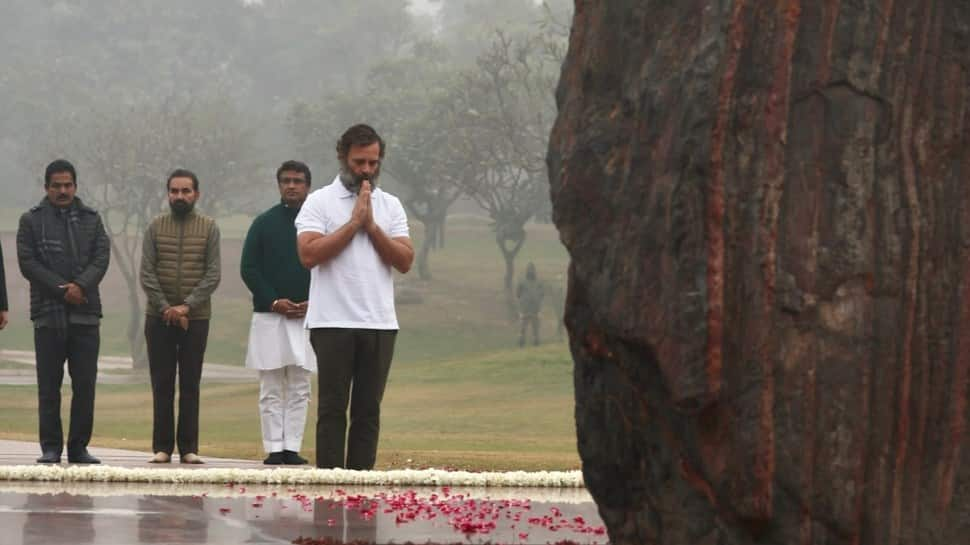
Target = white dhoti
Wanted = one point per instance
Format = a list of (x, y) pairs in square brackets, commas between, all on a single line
[(279, 348)]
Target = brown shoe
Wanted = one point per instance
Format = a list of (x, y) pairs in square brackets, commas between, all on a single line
[(190, 458), (160, 458)]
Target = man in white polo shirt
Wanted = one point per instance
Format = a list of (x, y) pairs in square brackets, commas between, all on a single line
[(351, 235)]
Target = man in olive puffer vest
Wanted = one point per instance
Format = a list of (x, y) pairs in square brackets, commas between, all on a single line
[(179, 271)]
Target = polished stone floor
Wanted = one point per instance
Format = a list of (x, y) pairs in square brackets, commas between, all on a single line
[(33, 513), (122, 514), (16, 453)]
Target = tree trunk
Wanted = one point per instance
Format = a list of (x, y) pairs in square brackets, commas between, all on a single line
[(125, 252), (509, 270), (432, 213), (767, 211), (509, 253), (516, 237), (429, 242), (135, 335), (440, 238)]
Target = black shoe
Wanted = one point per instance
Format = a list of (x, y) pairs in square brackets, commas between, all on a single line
[(274, 459), (82, 457), (50, 457), (291, 458)]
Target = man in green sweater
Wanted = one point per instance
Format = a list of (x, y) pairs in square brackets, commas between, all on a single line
[(180, 268), (279, 344)]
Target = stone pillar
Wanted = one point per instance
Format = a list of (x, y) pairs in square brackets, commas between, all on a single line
[(767, 207)]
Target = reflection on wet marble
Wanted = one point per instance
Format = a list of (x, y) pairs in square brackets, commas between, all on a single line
[(103, 514)]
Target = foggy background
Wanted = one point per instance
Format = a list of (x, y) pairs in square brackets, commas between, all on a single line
[(461, 90)]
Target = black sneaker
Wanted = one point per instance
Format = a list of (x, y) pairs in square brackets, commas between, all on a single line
[(274, 459), (82, 457), (50, 457), (291, 458)]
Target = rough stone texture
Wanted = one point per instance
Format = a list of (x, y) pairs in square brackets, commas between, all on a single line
[(767, 205)]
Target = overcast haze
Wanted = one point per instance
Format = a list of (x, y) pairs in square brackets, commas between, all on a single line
[(462, 90)]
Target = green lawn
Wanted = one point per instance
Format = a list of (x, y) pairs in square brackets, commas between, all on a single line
[(463, 310), (504, 410)]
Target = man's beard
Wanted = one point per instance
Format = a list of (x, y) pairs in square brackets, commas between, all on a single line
[(181, 208), (353, 181)]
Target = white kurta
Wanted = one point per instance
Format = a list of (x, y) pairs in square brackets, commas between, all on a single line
[(280, 349), (284, 395), (275, 342)]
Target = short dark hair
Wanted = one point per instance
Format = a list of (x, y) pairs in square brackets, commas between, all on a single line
[(295, 166), (358, 135), (182, 173), (58, 166)]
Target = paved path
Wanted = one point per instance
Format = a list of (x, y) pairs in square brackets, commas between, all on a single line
[(15, 453), (48, 514), (117, 370)]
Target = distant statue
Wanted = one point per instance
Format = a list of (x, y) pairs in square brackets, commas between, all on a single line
[(529, 296)]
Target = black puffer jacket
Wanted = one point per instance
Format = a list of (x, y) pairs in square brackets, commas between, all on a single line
[(43, 252)]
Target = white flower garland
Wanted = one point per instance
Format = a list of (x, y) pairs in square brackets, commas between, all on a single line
[(258, 490), (396, 477)]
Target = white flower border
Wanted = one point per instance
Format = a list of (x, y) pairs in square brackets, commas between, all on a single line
[(264, 491), (396, 477)]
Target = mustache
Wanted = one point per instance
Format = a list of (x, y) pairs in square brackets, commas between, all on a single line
[(352, 181)]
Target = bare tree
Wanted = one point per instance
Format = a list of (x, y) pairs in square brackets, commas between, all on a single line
[(406, 100), (501, 114), (412, 96), (126, 156)]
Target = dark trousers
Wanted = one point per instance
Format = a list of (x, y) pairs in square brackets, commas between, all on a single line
[(79, 346), (353, 365), (529, 320), (171, 351)]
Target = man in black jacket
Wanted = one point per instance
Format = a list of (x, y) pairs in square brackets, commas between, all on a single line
[(63, 251)]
